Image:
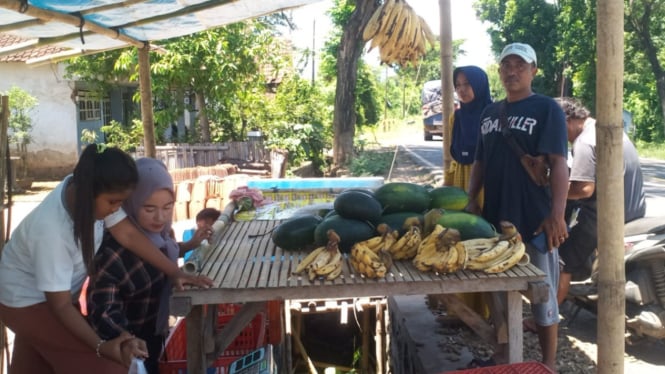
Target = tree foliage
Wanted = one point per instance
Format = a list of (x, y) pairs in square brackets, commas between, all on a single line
[(563, 33)]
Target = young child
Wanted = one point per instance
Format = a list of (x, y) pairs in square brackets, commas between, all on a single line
[(128, 295), (204, 221)]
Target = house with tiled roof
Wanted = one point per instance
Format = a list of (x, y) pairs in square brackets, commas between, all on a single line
[(64, 110)]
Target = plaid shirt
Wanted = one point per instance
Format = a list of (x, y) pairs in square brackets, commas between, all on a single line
[(124, 294)]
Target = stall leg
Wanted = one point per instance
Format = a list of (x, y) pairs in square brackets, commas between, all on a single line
[(364, 360), (515, 333), (380, 341), (196, 356)]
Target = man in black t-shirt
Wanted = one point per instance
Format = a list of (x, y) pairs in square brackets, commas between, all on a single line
[(538, 126)]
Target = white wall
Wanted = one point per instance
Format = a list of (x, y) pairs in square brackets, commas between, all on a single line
[(52, 153)]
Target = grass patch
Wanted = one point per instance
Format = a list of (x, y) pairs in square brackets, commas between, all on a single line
[(371, 163), (651, 150)]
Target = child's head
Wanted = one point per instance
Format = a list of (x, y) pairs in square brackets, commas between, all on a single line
[(151, 203), (207, 216)]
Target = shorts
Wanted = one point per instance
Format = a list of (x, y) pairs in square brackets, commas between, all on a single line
[(547, 313), (582, 241)]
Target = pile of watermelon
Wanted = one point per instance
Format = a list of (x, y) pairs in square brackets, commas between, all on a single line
[(357, 213)]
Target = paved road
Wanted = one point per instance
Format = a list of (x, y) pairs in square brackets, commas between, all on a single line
[(430, 154)]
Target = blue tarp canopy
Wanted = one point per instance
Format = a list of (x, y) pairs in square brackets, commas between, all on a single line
[(89, 26)]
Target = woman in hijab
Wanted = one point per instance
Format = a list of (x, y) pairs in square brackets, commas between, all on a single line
[(473, 91), (127, 294)]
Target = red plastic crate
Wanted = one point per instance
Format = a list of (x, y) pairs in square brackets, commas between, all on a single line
[(519, 368), (174, 358)]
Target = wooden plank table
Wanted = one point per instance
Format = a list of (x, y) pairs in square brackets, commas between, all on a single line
[(246, 267)]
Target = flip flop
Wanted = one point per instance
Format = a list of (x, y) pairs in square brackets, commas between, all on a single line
[(528, 324)]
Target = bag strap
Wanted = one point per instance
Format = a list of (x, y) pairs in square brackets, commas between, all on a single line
[(507, 134)]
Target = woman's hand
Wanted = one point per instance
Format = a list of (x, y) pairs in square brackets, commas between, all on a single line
[(123, 348), (131, 348), (180, 279)]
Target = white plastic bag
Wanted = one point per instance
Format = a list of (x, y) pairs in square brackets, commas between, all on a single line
[(137, 367)]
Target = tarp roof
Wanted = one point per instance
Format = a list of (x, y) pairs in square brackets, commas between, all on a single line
[(73, 27)]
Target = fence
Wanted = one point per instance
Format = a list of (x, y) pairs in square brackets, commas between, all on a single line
[(179, 156)]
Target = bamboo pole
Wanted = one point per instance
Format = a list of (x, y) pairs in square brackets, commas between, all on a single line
[(146, 102), (609, 134), (49, 15), (446, 40), (4, 124)]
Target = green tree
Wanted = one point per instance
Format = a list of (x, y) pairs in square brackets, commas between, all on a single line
[(224, 70), (526, 21), (346, 45), (645, 41), (21, 105)]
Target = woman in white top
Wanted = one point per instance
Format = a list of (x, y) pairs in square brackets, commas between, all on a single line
[(43, 267)]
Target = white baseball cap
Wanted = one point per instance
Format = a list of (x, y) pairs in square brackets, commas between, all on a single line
[(520, 49)]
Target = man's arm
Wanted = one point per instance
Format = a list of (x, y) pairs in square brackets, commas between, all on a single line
[(581, 190), (129, 236), (555, 225)]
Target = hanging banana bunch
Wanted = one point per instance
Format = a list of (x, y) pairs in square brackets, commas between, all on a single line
[(399, 33)]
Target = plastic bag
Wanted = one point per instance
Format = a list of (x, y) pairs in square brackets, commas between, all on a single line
[(137, 367)]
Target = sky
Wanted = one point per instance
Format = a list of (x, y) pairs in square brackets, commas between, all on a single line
[(465, 26)]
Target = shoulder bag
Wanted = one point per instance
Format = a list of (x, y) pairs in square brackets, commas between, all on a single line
[(536, 166)]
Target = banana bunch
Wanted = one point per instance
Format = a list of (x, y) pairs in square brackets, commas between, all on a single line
[(369, 263), (398, 32), (498, 254), (439, 252), (407, 246), (324, 261), (383, 241)]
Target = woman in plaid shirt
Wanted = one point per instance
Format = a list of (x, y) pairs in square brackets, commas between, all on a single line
[(126, 293)]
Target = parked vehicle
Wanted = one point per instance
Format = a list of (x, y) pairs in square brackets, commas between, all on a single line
[(645, 281), (432, 109)]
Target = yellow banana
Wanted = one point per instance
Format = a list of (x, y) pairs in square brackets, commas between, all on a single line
[(429, 35), (516, 253), (335, 273), (491, 254), (308, 260), (374, 23), (480, 243), (462, 255), (334, 261)]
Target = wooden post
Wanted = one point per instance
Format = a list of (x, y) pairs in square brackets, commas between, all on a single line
[(4, 124), (446, 36), (364, 359), (609, 133), (146, 101)]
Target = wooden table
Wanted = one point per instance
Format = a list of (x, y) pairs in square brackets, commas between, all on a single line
[(246, 267)]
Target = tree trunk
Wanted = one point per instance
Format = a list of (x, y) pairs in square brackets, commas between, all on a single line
[(145, 88), (350, 50), (609, 133), (204, 122)]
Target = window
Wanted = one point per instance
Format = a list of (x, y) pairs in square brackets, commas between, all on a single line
[(90, 106)]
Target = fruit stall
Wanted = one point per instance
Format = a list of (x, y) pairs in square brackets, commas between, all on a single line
[(346, 240)]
